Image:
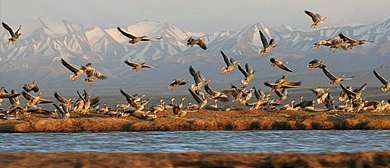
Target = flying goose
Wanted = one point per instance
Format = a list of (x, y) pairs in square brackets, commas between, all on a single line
[(260, 96), (62, 112), (199, 79), (356, 94), (63, 100), (304, 104), (215, 95), (249, 73), (137, 66), (177, 82), (87, 101), (14, 36), (200, 42), (336, 43), (352, 43), (230, 63), (77, 72), (31, 87), (91, 77), (133, 98), (282, 83), (317, 19), (267, 47), (321, 94), (282, 95), (35, 100), (199, 98), (316, 64), (15, 101), (334, 79), (247, 96), (327, 43), (280, 64), (134, 39), (383, 81)]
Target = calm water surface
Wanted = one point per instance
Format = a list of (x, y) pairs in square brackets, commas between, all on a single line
[(200, 141)]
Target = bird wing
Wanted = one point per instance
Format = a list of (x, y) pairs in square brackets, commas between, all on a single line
[(132, 64), (314, 61), (175, 109), (194, 74), (346, 39), (146, 66), (26, 95), (70, 67), (95, 101), (202, 44), (284, 67), (243, 71), (263, 40), (362, 88), (58, 108), (11, 100), (313, 16), (17, 31), (60, 98), (183, 81), (272, 42), (381, 78), (249, 69), (151, 39), (100, 75), (208, 90), (328, 74), (226, 59), (81, 96), (195, 96), (11, 32), (269, 84), (127, 96), (126, 34), (350, 94), (44, 101), (291, 84)]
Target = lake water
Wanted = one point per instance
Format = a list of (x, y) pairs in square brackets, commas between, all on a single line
[(199, 141)]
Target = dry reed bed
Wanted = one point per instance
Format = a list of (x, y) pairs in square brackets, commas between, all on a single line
[(208, 120), (97, 160)]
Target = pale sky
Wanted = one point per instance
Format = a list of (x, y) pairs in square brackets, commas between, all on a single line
[(195, 15)]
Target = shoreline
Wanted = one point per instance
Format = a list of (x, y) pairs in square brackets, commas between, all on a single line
[(194, 159), (237, 120)]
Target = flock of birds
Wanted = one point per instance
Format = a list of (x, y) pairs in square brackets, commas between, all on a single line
[(136, 104)]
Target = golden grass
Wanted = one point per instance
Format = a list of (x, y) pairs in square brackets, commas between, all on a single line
[(97, 160), (237, 119)]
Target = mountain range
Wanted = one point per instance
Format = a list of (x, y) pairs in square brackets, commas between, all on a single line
[(37, 54)]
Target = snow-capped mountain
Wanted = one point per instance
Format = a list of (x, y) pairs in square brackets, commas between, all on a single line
[(37, 53)]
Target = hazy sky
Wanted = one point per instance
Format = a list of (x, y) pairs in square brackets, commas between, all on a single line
[(195, 15)]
